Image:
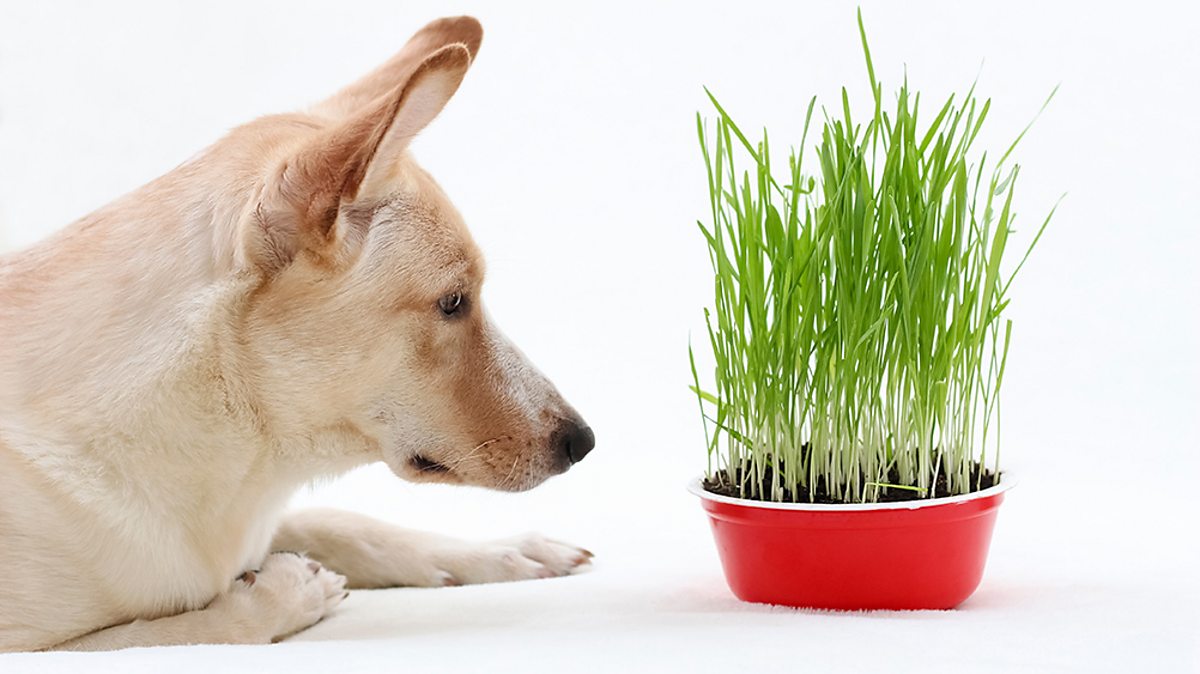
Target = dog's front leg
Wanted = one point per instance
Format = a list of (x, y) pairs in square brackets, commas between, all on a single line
[(289, 593), (375, 554)]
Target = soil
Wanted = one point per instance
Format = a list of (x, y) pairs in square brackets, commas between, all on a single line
[(724, 485)]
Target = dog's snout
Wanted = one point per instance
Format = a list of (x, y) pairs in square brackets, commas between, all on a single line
[(575, 439)]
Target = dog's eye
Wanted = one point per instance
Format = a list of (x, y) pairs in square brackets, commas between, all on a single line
[(450, 304)]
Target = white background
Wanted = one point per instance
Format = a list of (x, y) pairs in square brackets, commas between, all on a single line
[(571, 151)]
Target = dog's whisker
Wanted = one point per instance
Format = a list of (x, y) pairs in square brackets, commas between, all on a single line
[(478, 447), (508, 479)]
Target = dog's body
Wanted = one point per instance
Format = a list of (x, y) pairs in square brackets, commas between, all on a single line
[(297, 300)]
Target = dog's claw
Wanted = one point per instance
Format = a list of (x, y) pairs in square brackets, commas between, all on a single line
[(248, 577)]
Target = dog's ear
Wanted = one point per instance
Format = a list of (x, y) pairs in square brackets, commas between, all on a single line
[(464, 30), (301, 204)]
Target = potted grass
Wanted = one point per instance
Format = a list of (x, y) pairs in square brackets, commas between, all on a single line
[(858, 346)]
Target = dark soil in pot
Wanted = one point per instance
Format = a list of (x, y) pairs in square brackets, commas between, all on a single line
[(724, 484)]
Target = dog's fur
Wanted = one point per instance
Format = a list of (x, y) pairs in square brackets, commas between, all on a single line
[(175, 365)]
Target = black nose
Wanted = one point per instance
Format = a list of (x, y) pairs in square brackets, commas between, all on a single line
[(575, 439)]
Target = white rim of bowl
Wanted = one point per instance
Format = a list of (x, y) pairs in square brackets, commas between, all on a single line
[(1007, 481)]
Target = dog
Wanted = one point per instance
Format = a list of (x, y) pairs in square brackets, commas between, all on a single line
[(297, 300)]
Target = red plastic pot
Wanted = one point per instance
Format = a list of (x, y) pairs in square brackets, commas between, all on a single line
[(913, 555)]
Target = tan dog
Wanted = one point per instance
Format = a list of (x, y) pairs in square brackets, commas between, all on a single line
[(297, 300)]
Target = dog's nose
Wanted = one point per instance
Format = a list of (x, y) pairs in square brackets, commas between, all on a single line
[(576, 440)]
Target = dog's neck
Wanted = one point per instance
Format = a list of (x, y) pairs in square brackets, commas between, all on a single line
[(111, 371)]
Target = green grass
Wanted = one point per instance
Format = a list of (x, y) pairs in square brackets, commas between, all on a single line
[(857, 327)]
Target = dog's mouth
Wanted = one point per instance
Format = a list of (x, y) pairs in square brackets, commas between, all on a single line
[(422, 468), (427, 466)]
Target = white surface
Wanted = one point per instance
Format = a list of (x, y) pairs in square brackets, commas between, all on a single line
[(571, 151)]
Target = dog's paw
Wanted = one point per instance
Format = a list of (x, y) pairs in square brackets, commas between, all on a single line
[(522, 557), (289, 593), (559, 558)]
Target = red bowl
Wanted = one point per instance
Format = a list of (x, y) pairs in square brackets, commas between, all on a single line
[(913, 555)]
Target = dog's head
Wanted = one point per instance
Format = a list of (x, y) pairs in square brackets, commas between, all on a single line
[(371, 325)]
